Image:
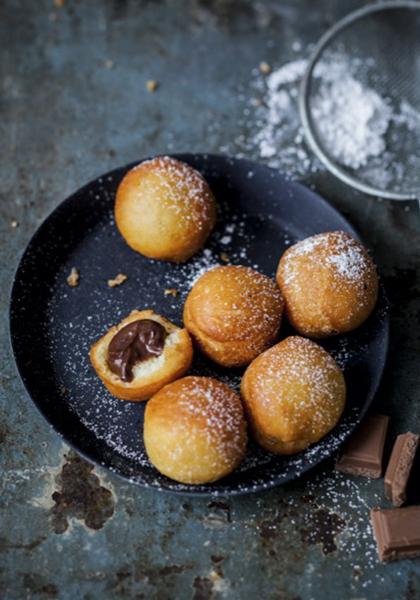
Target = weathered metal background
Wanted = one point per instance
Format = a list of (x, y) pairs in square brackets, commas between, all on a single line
[(73, 105)]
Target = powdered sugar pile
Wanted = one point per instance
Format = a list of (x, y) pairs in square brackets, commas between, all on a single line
[(351, 120)]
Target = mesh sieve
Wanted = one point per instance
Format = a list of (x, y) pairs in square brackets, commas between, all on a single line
[(365, 72)]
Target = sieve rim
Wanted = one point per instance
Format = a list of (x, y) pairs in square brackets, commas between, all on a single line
[(305, 90)]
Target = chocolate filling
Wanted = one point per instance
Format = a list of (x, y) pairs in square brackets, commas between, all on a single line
[(135, 343)]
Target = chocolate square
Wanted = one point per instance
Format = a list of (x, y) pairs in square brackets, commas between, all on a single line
[(362, 454), (397, 532)]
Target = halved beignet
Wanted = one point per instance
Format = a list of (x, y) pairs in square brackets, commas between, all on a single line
[(150, 375)]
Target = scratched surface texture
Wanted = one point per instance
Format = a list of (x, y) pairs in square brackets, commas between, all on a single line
[(74, 104)]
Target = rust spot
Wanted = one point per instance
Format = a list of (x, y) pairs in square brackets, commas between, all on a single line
[(80, 496), (203, 588), (322, 527), (187, 507), (37, 585), (268, 528), (219, 514), (308, 498), (6, 545), (150, 573), (225, 12), (4, 432), (285, 596), (217, 562), (411, 589), (220, 505)]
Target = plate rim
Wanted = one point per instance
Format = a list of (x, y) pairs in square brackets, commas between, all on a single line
[(238, 491)]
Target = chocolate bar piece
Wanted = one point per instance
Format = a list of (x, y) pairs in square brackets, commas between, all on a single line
[(397, 532), (399, 467), (363, 452)]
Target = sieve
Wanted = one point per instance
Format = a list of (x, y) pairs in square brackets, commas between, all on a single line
[(374, 55)]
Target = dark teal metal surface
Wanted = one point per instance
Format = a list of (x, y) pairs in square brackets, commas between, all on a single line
[(73, 105)]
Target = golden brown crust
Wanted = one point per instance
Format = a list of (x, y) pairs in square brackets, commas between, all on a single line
[(329, 284), (165, 209), (195, 430), (155, 372), (294, 394), (234, 313)]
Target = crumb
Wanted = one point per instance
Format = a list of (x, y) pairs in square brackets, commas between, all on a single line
[(14, 223), (265, 68), (59, 3), (73, 278), (257, 102), (215, 576), (171, 292), (119, 279), (224, 257), (152, 85), (108, 64)]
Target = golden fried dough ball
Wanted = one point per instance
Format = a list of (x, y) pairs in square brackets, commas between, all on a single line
[(294, 394), (195, 430), (233, 313), (329, 284), (165, 209)]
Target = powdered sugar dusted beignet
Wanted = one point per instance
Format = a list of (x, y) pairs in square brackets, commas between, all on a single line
[(294, 394), (329, 284), (194, 430), (233, 313), (165, 209)]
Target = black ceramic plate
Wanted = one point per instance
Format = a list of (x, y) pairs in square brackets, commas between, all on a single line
[(53, 325)]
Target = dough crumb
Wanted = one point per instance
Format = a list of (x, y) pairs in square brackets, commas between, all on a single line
[(224, 257), (73, 278), (152, 85), (171, 292), (265, 68), (118, 280)]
